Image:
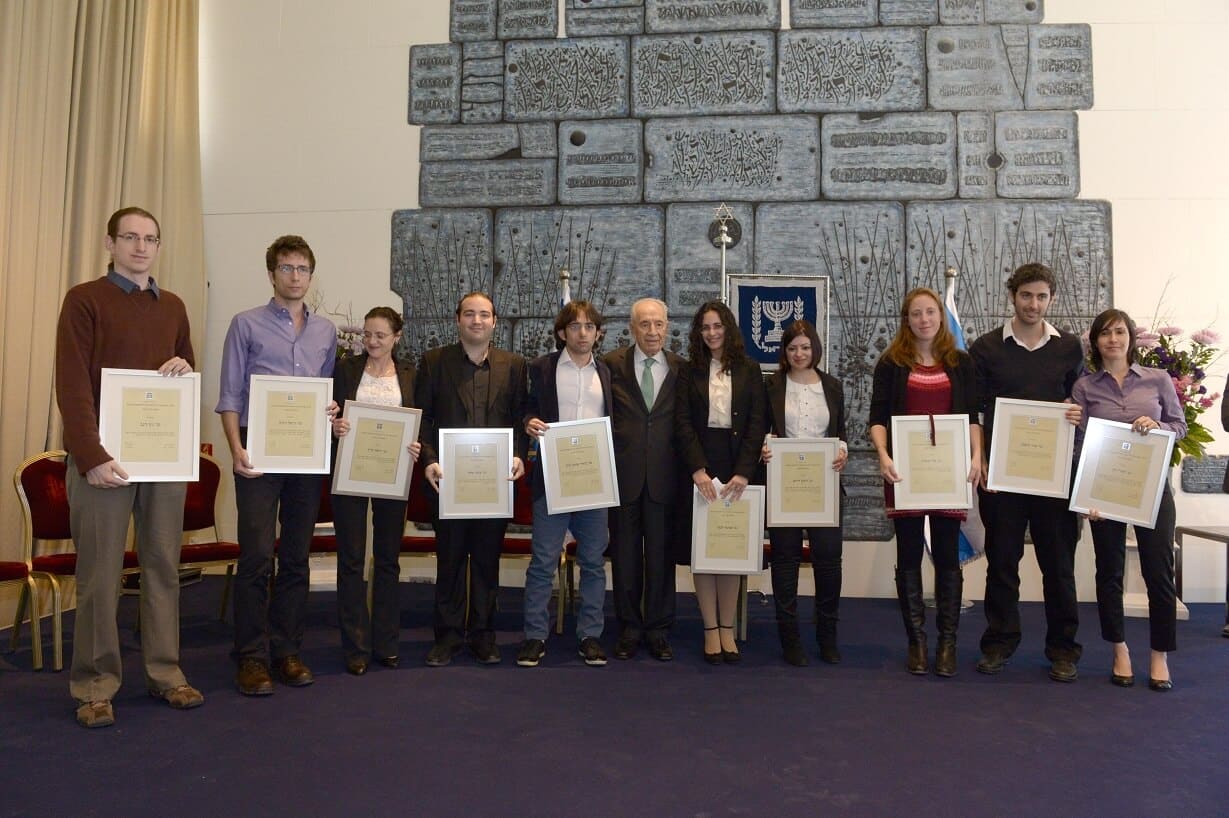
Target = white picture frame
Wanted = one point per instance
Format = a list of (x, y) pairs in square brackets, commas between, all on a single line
[(584, 449), (372, 460), (934, 472), (483, 491), (288, 424), (1121, 473), (151, 424), (1031, 448), (792, 499), (717, 555)]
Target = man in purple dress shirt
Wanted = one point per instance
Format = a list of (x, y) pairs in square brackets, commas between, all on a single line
[(281, 337)]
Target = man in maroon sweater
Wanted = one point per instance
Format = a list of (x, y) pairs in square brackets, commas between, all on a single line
[(122, 320)]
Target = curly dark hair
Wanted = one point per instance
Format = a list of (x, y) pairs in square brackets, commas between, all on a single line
[(732, 348)]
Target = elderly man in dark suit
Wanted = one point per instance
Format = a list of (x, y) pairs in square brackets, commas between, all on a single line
[(568, 384), (469, 384), (644, 378)]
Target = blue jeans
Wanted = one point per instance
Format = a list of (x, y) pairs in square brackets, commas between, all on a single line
[(589, 528)]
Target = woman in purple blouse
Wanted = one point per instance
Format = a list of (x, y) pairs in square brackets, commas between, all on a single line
[(1120, 389)]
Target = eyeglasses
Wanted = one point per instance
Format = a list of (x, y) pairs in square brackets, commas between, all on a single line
[(379, 336), (134, 238), (577, 326), (287, 269)]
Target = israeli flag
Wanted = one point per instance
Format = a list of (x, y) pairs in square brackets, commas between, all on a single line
[(972, 530)]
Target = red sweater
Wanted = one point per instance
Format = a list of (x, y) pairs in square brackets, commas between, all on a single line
[(103, 326)]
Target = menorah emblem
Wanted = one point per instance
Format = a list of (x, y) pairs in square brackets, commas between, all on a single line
[(776, 312)]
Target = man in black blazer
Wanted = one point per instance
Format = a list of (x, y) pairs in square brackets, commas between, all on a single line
[(569, 384), (469, 384), (641, 527)]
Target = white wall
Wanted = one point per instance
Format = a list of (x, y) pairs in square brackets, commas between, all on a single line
[(303, 129)]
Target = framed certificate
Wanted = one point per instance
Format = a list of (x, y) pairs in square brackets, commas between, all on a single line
[(932, 456), (578, 465), (288, 424), (1121, 473), (727, 537), (151, 424), (1030, 450), (372, 460), (803, 490), (476, 465)]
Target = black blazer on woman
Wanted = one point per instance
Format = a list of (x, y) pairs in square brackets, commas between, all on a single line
[(891, 380), (834, 395), (748, 416), (349, 372)]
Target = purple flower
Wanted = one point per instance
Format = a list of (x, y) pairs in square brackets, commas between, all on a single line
[(1145, 338), (1170, 330), (1206, 337)]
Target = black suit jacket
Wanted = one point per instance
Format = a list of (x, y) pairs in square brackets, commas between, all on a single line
[(542, 401), (349, 372), (834, 395), (438, 394), (748, 416), (891, 382), (643, 436)]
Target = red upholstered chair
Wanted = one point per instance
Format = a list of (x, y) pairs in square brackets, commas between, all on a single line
[(41, 489), (10, 574), (200, 520), (324, 540), (418, 510)]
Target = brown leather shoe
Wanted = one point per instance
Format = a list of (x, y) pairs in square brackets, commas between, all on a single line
[(253, 678), (95, 714), (183, 697), (291, 671)]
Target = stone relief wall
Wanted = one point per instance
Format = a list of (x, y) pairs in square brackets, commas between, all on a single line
[(876, 142)]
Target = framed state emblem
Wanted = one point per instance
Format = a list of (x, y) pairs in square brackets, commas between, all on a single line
[(766, 305)]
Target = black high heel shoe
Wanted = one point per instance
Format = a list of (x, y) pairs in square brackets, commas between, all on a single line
[(730, 657), (712, 658), (1160, 685)]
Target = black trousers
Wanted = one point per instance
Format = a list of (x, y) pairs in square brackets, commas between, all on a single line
[(825, 563), (458, 543), (642, 564), (1055, 531), (267, 626), (380, 631), (944, 545), (1156, 563)]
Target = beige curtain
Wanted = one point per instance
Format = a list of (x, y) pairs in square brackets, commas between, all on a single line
[(98, 110)]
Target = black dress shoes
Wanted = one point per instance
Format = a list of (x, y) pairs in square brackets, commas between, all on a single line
[(1063, 670), (1122, 681), (660, 649), (388, 661), (1160, 685), (441, 654), (625, 645), (356, 665), (485, 650), (991, 663)]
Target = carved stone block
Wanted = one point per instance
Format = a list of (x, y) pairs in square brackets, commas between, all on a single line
[(962, 12), (1041, 156), (527, 19), (438, 256), (482, 82), (1015, 11), (986, 241), (537, 140), (693, 262), (855, 70), (908, 12), (718, 73), (976, 155), (832, 13), (751, 158), (614, 255), (471, 20), (894, 156), (435, 84), (443, 143), (968, 70), (1059, 68), (1204, 475), (600, 162), (494, 183), (566, 79), (664, 16), (597, 18)]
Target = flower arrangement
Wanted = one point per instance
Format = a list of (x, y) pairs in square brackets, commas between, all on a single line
[(1186, 361), (349, 334)]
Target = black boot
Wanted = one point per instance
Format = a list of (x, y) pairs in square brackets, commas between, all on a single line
[(785, 597), (827, 600), (909, 593), (949, 586), (791, 644), (825, 634)]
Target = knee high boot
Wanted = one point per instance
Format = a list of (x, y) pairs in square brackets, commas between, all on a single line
[(785, 596), (909, 593), (827, 601), (949, 586)]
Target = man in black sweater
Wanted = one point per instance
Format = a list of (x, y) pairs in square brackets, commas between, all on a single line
[(1028, 359)]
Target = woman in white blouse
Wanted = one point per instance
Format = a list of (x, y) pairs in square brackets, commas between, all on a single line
[(720, 420), (376, 376), (806, 402)]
